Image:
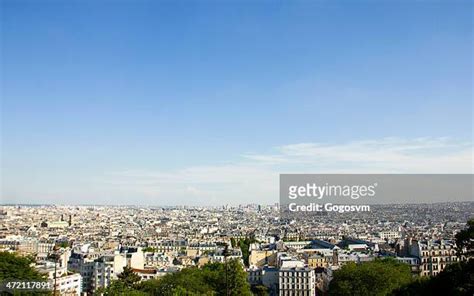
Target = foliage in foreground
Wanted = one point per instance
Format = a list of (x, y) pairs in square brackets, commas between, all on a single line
[(465, 240), (378, 277), (209, 280), (13, 266), (388, 277), (455, 280)]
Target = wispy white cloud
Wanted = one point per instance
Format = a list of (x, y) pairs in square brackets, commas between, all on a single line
[(255, 177), (388, 155)]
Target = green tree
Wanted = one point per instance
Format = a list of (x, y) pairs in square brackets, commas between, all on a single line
[(180, 291), (63, 244), (378, 277), (260, 290), (119, 288), (244, 245), (457, 279), (465, 240), (212, 279), (185, 282), (13, 266), (149, 249), (128, 277), (236, 282)]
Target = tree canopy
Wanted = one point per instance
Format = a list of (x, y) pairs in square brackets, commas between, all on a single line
[(13, 266), (212, 279), (244, 245), (456, 279), (378, 277), (128, 277), (465, 240)]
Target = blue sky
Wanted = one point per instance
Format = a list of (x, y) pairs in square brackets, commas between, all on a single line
[(147, 101)]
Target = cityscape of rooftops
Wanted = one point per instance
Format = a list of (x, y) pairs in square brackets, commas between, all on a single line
[(227, 148)]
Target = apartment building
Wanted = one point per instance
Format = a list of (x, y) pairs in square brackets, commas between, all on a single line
[(167, 246), (434, 256), (317, 260), (297, 281), (266, 276), (389, 235), (108, 267), (83, 263), (68, 285)]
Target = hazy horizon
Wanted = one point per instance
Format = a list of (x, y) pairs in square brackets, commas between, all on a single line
[(221, 205)]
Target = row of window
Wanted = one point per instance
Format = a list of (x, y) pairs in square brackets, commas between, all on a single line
[(296, 293), (439, 253), (296, 280)]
